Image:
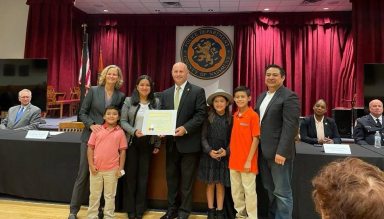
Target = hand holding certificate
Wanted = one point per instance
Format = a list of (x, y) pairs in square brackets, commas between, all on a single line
[(159, 122)]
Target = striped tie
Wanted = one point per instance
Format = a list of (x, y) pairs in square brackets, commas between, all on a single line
[(19, 114)]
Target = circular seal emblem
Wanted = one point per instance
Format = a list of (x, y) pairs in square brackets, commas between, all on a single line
[(207, 52)]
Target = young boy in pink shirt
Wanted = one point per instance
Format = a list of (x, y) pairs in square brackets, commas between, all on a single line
[(106, 157)]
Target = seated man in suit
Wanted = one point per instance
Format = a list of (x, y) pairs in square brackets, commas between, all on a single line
[(366, 126), (24, 116), (319, 129)]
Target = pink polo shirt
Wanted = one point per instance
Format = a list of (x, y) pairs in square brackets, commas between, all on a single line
[(106, 144)]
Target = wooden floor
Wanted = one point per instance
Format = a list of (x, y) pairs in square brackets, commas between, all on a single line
[(14, 209)]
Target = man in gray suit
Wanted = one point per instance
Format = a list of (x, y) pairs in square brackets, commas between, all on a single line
[(183, 148), (279, 112), (24, 116)]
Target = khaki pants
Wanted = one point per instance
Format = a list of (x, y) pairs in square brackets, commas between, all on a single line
[(244, 196), (108, 181)]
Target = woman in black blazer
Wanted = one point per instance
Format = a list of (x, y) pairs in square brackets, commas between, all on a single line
[(91, 114), (308, 129)]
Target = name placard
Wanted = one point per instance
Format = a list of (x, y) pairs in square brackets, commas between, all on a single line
[(36, 134), (337, 149)]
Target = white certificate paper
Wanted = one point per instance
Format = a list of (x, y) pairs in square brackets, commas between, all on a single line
[(36, 134), (337, 148), (159, 122)]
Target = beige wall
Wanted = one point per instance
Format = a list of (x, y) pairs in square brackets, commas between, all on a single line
[(13, 26)]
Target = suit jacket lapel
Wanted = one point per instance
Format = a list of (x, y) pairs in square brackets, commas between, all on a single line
[(101, 96), (370, 120), (327, 130), (259, 101), (171, 94), (26, 113), (184, 95), (312, 125), (274, 98)]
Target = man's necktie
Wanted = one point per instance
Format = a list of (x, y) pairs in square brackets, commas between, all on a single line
[(19, 114), (177, 98), (378, 123)]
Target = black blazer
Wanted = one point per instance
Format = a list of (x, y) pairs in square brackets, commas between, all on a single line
[(365, 130), (191, 114), (93, 107), (280, 124), (308, 132)]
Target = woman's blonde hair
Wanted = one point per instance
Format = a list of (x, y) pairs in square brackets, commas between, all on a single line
[(103, 74)]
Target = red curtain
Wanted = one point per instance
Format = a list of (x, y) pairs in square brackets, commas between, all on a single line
[(50, 34), (368, 30), (311, 49), (314, 48), (137, 50)]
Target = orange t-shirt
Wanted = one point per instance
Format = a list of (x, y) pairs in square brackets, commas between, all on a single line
[(245, 127)]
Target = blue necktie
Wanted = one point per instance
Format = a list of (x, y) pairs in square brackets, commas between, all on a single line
[(19, 114)]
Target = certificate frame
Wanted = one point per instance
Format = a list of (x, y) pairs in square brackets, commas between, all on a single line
[(159, 122)]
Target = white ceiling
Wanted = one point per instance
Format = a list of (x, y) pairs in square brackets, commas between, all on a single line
[(208, 6)]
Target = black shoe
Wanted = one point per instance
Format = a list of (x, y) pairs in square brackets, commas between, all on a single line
[(131, 216), (101, 214), (220, 214), (211, 213), (169, 215), (72, 216)]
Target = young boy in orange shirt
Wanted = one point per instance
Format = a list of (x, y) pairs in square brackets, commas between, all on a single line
[(106, 158), (243, 157)]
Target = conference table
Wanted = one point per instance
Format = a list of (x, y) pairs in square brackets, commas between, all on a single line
[(38, 169), (47, 169), (309, 160)]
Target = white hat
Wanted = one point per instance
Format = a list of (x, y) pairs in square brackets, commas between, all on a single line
[(220, 92)]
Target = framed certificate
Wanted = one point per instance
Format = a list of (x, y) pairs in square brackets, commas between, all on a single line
[(159, 122)]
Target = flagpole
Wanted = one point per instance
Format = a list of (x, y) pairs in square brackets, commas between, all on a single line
[(84, 66)]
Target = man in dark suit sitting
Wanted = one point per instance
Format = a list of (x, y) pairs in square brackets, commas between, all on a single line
[(24, 116), (319, 129), (182, 155), (366, 126)]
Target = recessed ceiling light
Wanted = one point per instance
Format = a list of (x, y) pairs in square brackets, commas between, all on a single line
[(105, 10), (266, 9), (326, 8), (157, 10), (210, 10)]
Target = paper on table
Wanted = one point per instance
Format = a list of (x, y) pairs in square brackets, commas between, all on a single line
[(337, 149), (36, 134), (55, 133)]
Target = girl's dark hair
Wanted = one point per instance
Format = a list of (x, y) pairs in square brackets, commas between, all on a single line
[(212, 113), (135, 97)]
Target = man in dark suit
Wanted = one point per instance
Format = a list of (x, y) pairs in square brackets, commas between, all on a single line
[(366, 126), (319, 129), (183, 148), (279, 112), (24, 116)]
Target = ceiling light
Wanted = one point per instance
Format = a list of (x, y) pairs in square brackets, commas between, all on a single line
[(210, 10), (105, 10), (326, 8), (266, 9)]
